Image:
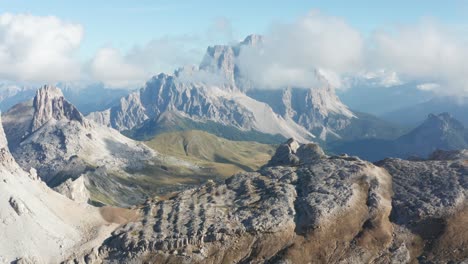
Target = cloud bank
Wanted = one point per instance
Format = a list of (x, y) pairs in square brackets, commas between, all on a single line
[(38, 48), (427, 52), (292, 52)]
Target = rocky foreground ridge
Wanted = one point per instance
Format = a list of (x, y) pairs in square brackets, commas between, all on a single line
[(306, 207)]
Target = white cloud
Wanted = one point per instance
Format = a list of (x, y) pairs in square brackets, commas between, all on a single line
[(40, 49), (292, 53), (112, 68), (133, 68), (427, 52)]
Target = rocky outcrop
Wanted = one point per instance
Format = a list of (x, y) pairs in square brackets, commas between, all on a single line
[(328, 209), (74, 189), (49, 103), (430, 207), (293, 153)]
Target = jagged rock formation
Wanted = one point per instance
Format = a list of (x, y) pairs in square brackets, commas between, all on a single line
[(200, 103), (74, 189), (217, 91), (52, 136), (49, 104), (306, 207), (38, 225)]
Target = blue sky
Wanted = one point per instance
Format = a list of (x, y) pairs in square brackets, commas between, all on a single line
[(123, 24)]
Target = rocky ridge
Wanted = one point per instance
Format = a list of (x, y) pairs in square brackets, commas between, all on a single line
[(305, 207)]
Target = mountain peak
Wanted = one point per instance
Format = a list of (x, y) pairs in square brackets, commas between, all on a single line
[(442, 121), (49, 103), (252, 40)]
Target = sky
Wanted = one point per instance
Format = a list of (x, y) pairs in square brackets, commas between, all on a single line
[(123, 42), (125, 23)]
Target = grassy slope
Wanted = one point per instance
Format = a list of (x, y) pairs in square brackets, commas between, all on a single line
[(222, 156)]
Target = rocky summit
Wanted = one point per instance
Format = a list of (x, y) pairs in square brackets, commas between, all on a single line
[(306, 207)]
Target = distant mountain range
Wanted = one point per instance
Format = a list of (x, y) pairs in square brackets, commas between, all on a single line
[(437, 132), (415, 114)]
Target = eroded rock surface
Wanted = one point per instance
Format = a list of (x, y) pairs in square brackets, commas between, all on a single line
[(306, 207), (328, 209), (430, 203)]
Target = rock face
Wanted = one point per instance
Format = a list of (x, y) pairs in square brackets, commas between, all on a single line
[(74, 189), (49, 104), (52, 136), (306, 207), (38, 225), (317, 109), (200, 103)]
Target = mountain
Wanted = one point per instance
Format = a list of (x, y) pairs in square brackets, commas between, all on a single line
[(416, 113), (216, 94), (200, 103), (224, 156), (306, 207), (37, 224), (320, 111), (436, 132), (52, 136)]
